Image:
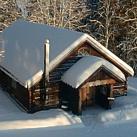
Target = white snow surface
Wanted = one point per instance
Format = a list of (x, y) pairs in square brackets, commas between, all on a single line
[(23, 43), (120, 121), (86, 67)]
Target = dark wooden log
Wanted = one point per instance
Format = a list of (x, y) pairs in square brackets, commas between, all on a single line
[(76, 103), (55, 75)]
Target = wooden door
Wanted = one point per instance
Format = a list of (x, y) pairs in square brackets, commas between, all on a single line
[(87, 96)]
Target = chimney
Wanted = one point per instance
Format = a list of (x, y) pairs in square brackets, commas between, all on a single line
[(46, 60)]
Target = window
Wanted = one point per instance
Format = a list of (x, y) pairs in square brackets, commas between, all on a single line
[(84, 51)]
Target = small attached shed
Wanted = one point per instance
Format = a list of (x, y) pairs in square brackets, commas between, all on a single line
[(90, 81)]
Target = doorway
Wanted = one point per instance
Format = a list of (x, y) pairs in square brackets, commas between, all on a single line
[(95, 95), (101, 95)]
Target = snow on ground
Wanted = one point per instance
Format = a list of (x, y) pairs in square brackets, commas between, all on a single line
[(124, 108), (120, 121), (12, 117)]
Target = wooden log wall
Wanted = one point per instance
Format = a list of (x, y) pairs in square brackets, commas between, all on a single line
[(44, 98), (52, 94), (119, 89), (53, 86), (35, 96), (15, 89), (55, 76)]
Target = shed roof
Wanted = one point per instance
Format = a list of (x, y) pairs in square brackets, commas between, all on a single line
[(86, 67), (23, 42)]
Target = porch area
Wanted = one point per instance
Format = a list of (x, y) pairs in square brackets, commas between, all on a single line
[(88, 82)]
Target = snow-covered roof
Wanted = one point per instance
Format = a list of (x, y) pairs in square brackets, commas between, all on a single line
[(23, 43), (86, 67)]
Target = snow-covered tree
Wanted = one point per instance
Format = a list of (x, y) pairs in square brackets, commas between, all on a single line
[(61, 13), (127, 44), (114, 24), (8, 13), (102, 20)]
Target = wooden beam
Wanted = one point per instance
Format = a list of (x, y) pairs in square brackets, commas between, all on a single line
[(101, 82), (77, 103)]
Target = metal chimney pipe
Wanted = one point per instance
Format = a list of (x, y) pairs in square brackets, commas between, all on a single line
[(46, 60), (46, 71)]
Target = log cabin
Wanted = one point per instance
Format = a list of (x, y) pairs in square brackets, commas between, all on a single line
[(47, 67)]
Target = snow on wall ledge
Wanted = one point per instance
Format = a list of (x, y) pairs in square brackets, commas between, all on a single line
[(85, 67)]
